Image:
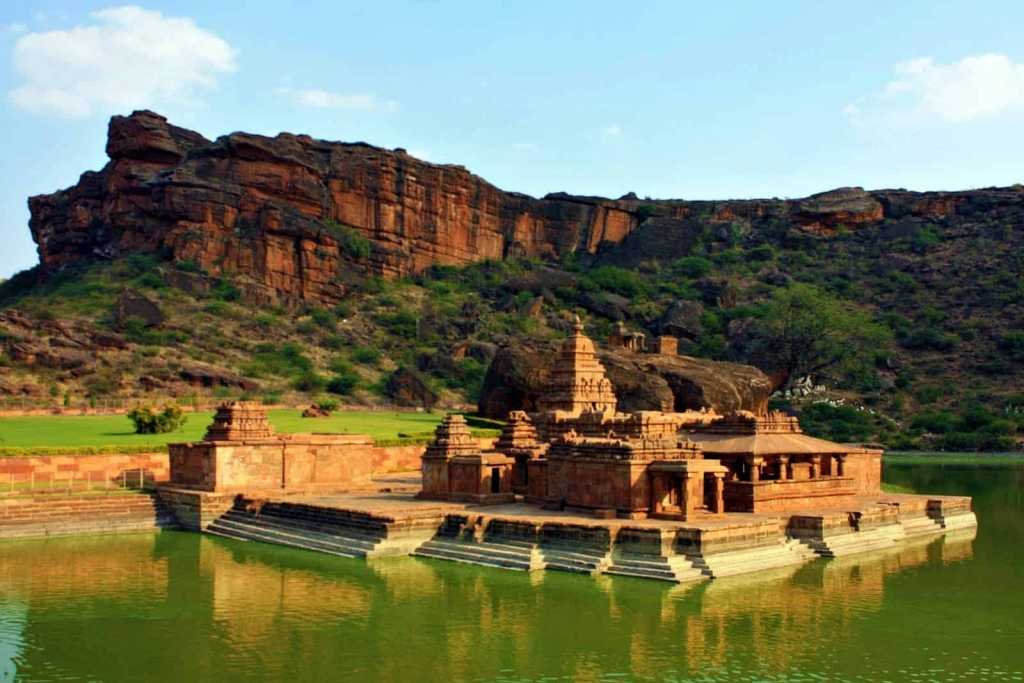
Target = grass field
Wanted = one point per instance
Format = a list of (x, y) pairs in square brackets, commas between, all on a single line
[(48, 434)]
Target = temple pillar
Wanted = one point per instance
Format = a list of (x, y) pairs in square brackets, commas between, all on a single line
[(784, 472), (719, 493), (754, 463), (685, 499), (815, 467)]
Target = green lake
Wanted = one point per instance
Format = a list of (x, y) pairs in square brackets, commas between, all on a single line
[(182, 607)]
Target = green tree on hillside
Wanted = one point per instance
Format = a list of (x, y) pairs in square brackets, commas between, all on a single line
[(808, 332)]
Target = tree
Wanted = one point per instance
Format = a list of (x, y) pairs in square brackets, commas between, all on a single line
[(806, 331)]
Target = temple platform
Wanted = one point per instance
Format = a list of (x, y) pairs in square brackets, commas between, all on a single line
[(386, 518)]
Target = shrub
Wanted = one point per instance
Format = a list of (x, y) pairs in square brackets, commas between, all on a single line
[(929, 338), (225, 290), (763, 252), (188, 266), (692, 266), (151, 280), (283, 361), (328, 405), (343, 383), (351, 240), (401, 323), (1013, 344), (934, 422), (149, 421), (975, 441), (366, 355), (619, 280), (266, 321), (323, 318), (310, 382)]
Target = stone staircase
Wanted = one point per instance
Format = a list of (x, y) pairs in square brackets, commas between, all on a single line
[(675, 568), (921, 526), (578, 559), (841, 545), (958, 520), (298, 530), (785, 553), (62, 515), (501, 554)]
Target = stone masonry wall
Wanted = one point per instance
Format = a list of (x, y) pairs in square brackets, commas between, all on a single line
[(81, 471)]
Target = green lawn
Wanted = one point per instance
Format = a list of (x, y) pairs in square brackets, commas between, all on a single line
[(113, 433)]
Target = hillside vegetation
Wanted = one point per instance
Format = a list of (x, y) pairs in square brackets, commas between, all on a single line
[(926, 328)]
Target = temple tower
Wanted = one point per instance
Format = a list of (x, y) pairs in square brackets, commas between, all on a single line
[(239, 421), (578, 383)]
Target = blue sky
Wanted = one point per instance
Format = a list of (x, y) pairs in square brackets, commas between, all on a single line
[(667, 99)]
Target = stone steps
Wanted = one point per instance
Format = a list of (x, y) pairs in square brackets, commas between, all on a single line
[(296, 538), (106, 514), (678, 569), (920, 526), (856, 542), (748, 560), (346, 535), (484, 553), (963, 520), (577, 560)]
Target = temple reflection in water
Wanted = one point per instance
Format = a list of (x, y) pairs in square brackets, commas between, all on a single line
[(253, 604)]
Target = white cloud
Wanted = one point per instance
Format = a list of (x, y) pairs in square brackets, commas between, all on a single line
[(16, 28), (973, 88), (324, 99), (126, 57)]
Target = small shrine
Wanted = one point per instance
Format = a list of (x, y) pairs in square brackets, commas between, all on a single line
[(239, 421), (241, 452), (455, 468), (519, 440)]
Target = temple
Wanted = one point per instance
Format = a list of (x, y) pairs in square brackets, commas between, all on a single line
[(577, 485), (579, 453)]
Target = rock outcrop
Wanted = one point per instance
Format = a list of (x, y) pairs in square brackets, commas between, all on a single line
[(295, 215), (519, 373), (299, 219)]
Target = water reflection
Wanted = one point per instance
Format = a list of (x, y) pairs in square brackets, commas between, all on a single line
[(179, 606)]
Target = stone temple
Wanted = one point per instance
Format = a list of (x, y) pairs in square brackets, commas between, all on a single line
[(575, 486), (578, 453)]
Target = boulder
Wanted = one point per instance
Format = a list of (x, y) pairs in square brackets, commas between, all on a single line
[(480, 351), (134, 305), (682, 319), (520, 372), (315, 411), (209, 376), (407, 387), (606, 304)]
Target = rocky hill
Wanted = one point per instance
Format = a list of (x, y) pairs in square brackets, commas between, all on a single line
[(390, 276)]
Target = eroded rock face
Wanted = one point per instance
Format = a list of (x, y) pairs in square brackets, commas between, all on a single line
[(293, 214), (296, 217), (520, 372)]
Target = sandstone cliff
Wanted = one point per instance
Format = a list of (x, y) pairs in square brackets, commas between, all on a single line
[(295, 217), (281, 211)]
